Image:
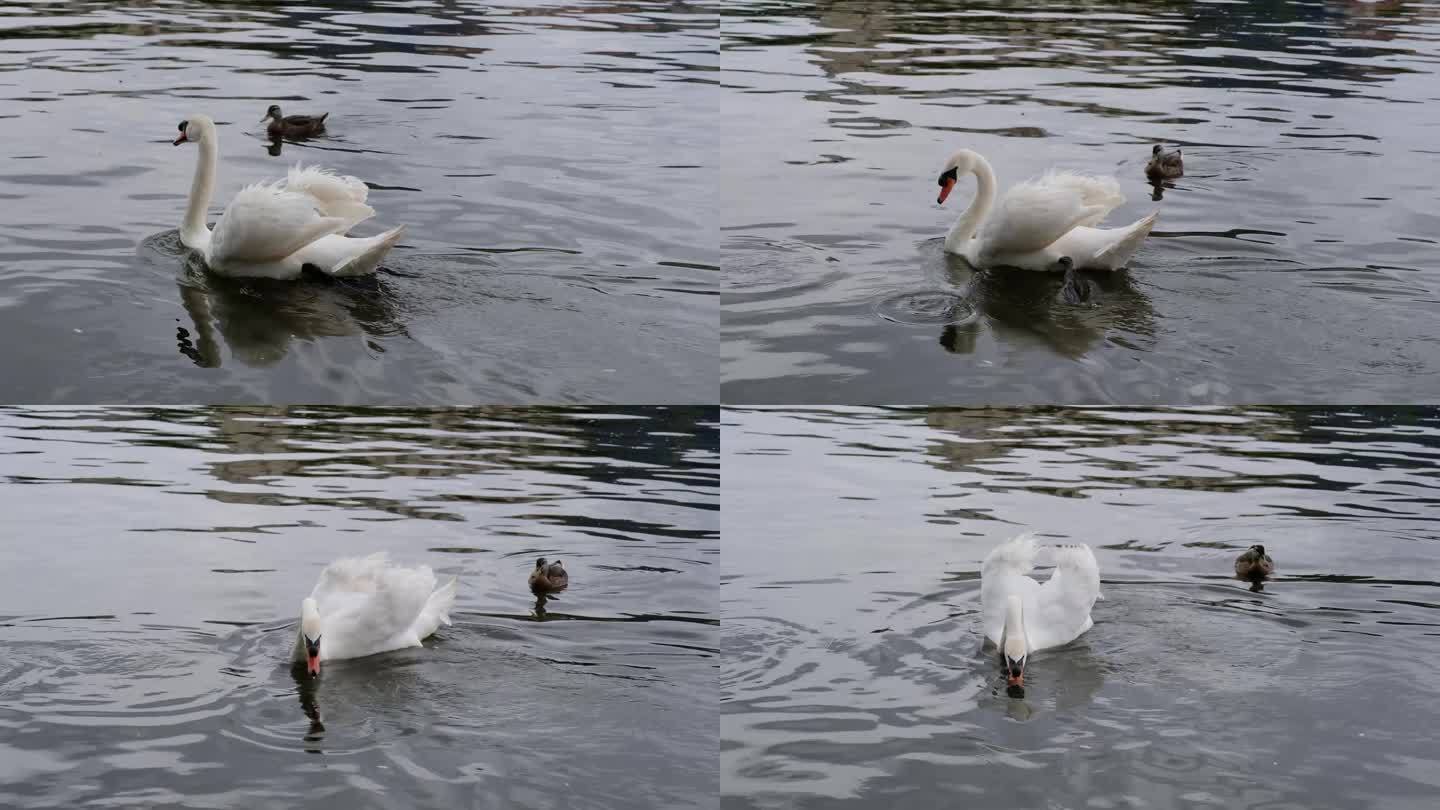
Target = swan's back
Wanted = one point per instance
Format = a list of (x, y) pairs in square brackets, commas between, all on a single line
[(1054, 613), (370, 605), (1035, 213)]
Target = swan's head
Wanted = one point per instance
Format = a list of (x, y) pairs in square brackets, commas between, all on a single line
[(962, 162), (195, 129), (273, 112), (310, 635), (1013, 649)]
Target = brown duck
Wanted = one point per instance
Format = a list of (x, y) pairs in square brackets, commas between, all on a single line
[(1254, 564), (293, 126), (548, 577), (1164, 165)]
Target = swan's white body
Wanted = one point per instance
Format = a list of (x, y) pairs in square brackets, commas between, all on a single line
[(366, 605), (271, 230), (1023, 616), (1040, 221)]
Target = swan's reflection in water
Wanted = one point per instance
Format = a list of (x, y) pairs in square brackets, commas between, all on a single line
[(306, 687), (1028, 307), (1061, 679), (258, 319)]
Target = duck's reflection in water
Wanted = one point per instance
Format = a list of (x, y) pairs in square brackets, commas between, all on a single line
[(1069, 313), (540, 600), (258, 319)]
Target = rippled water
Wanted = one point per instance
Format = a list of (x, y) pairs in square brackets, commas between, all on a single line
[(544, 156), (155, 560), (853, 674), (1296, 261)]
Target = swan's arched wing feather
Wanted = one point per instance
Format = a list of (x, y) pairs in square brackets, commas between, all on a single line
[(1004, 573), (324, 184), (367, 603), (1064, 601), (334, 195), (265, 223), (1035, 213)]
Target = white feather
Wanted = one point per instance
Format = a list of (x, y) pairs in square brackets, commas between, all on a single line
[(368, 605), (1056, 612)]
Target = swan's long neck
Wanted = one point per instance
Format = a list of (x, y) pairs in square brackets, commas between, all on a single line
[(193, 231), (1015, 644), (970, 221), (309, 626)]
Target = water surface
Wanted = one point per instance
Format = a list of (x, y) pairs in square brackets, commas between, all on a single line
[(1295, 261), (155, 561), (853, 674), (544, 157)]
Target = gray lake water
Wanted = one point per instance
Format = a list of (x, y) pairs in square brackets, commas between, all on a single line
[(549, 160), (853, 674), (1295, 261), (154, 562)]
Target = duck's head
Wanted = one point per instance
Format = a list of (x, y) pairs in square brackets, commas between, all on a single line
[(195, 129), (1258, 551), (540, 564), (273, 112), (310, 628)]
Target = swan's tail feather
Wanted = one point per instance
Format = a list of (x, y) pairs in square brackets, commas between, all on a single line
[(365, 260), (437, 610), (1117, 254)]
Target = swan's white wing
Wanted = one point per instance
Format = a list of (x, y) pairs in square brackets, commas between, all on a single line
[(1035, 213), (265, 223), (1004, 573), (1061, 610), (370, 606), (335, 195)]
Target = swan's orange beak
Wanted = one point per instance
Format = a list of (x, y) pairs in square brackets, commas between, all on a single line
[(312, 665), (181, 140), (944, 189)]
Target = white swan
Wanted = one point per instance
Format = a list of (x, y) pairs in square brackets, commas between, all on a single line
[(363, 606), (271, 230), (1040, 221), (1022, 616)]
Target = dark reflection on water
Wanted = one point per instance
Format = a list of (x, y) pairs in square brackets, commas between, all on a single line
[(1294, 261), (543, 156), (156, 558), (854, 673)]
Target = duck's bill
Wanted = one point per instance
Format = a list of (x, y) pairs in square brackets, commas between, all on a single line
[(945, 191), (179, 140), (266, 119), (312, 665)]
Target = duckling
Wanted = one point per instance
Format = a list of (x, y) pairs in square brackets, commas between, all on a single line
[(1254, 564), (1164, 165), (293, 126), (1077, 289), (548, 578)]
